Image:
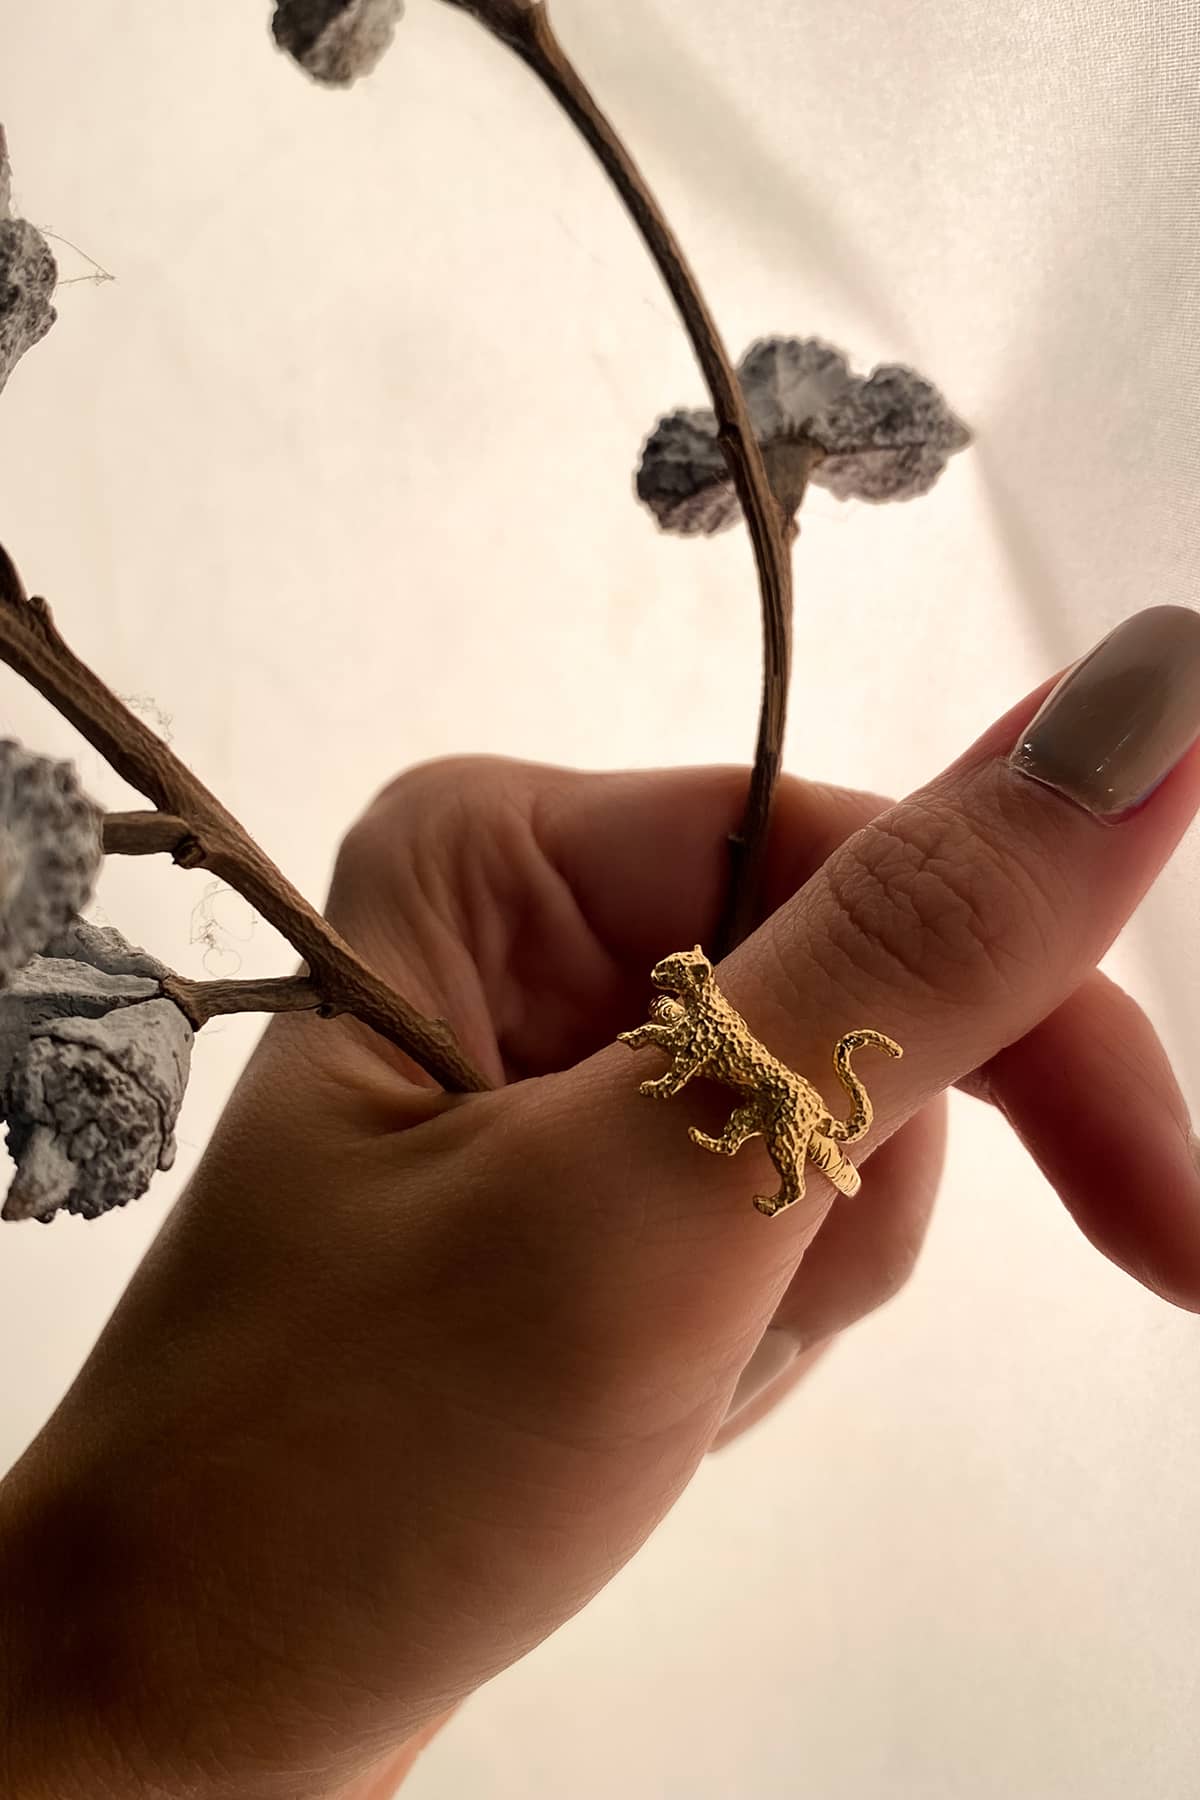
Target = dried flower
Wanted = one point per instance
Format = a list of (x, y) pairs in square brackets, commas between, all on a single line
[(93, 1067), (28, 277), (50, 852), (336, 41), (886, 437), (91, 1108)]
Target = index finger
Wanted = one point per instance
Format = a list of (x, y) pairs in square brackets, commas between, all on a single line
[(953, 923)]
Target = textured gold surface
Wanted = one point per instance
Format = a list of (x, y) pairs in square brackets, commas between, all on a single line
[(703, 1035)]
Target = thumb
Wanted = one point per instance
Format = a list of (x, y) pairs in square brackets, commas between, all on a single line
[(953, 923)]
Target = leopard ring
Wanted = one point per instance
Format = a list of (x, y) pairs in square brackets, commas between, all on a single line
[(691, 1020)]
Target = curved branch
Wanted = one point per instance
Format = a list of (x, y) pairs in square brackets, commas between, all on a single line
[(525, 27)]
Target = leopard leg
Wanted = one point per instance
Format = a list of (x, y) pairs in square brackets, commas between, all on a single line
[(786, 1148), (827, 1157), (642, 1036), (743, 1123), (675, 1079)]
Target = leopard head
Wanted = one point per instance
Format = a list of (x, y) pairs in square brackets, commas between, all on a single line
[(684, 972)]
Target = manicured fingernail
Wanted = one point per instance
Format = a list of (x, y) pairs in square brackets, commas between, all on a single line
[(776, 1352), (1120, 720)]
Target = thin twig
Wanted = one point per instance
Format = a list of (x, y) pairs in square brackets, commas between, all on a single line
[(201, 1001), (146, 834), (526, 29), (30, 644)]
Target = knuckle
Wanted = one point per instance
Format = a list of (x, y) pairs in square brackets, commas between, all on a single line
[(928, 898), (429, 785), (415, 803)]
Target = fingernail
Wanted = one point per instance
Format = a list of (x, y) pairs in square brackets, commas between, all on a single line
[(1120, 720), (776, 1352)]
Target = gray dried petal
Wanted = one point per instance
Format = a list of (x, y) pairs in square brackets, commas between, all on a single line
[(683, 476), (92, 1107), (102, 947), (889, 437), (28, 277), (55, 987), (50, 852), (787, 381), (336, 41)]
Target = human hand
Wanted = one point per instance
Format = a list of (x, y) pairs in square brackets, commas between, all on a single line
[(407, 1377)]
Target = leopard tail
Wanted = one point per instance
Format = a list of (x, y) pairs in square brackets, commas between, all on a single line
[(861, 1110)]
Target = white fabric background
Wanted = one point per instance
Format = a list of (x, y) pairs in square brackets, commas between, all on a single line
[(337, 474)]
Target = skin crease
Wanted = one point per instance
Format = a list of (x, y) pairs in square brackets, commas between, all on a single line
[(407, 1377)]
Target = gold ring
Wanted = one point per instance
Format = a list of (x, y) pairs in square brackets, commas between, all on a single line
[(693, 1022)]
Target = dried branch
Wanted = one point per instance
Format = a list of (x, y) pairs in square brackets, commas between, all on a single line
[(214, 840), (525, 27)]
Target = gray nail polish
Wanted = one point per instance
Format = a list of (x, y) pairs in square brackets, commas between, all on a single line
[(1119, 721)]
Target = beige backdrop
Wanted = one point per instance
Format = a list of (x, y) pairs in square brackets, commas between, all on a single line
[(335, 476)]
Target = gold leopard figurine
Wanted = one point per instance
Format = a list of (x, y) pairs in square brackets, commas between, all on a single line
[(703, 1035)]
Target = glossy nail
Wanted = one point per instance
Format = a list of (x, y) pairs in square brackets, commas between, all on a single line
[(1120, 720)]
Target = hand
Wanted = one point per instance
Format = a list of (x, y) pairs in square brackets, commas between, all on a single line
[(407, 1377)]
